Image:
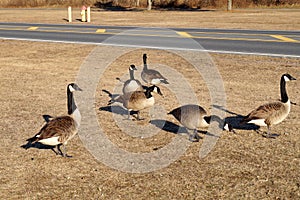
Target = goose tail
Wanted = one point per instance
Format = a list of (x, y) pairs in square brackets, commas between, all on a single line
[(33, 139), (164, 81)]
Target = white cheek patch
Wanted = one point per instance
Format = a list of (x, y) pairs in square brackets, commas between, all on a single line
[(155, 89), (71, 88), (226, 127), (131, 68), (286, 78)]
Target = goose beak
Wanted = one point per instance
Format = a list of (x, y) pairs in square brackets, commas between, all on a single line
[(293, 79), (77, 88)]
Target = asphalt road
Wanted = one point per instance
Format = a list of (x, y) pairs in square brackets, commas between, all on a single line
[(273, 43)]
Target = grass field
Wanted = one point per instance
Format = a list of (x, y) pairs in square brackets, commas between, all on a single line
[(244, 165)]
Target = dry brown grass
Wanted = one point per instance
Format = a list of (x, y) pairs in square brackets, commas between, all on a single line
[(243, 165), (241, 19)]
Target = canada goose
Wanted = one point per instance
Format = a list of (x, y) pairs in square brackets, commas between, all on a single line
[(132, 84), (151, 76), (138, 100), (193, 116), (60, 130), (272, 113)]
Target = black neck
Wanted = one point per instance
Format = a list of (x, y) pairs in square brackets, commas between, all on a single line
[(131, 73), (145, 63), (71, 103), (207, 119), (284, 96)]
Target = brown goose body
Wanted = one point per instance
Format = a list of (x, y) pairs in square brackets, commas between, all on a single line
[(138, 100), (193, 117), (57, 131), (272, 113), (60, 130), (151, 76), (269, 114), (190, 116)]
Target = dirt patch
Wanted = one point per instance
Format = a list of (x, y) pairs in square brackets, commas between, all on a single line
[(242, 165)]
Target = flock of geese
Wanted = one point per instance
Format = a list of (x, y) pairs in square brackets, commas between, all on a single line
[(136, 97)]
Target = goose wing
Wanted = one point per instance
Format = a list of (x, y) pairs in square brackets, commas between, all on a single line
[(136, 100), (132, 85), (189, 115), (56, 128), (155, 74), (264, 111)]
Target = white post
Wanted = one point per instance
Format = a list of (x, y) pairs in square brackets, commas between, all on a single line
[(70, 14), (88, 13), (229, 5), (149, 7)]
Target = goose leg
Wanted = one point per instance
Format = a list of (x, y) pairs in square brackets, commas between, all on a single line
[(64, 152), (194, 137), (56, 152), (270, 135), (128, 114), (269, 132), (59, 150), (138, 116)]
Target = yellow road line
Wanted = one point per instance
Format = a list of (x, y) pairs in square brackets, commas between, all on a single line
[(32, 28), (180, 34), (100, 31), (286, 39), (184, 34)]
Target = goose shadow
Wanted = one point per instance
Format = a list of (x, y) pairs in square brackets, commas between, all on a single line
[(116, 109), (38, 145), (235, 121), (174, 128), (110, 95)]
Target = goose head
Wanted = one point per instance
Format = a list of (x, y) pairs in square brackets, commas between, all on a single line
[(222, 124), (155, 89), (132, 67), (74, 87), (228, 127), (288, 77), (144, 57)]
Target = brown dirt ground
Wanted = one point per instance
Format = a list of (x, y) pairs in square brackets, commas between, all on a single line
[(243, 165)]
